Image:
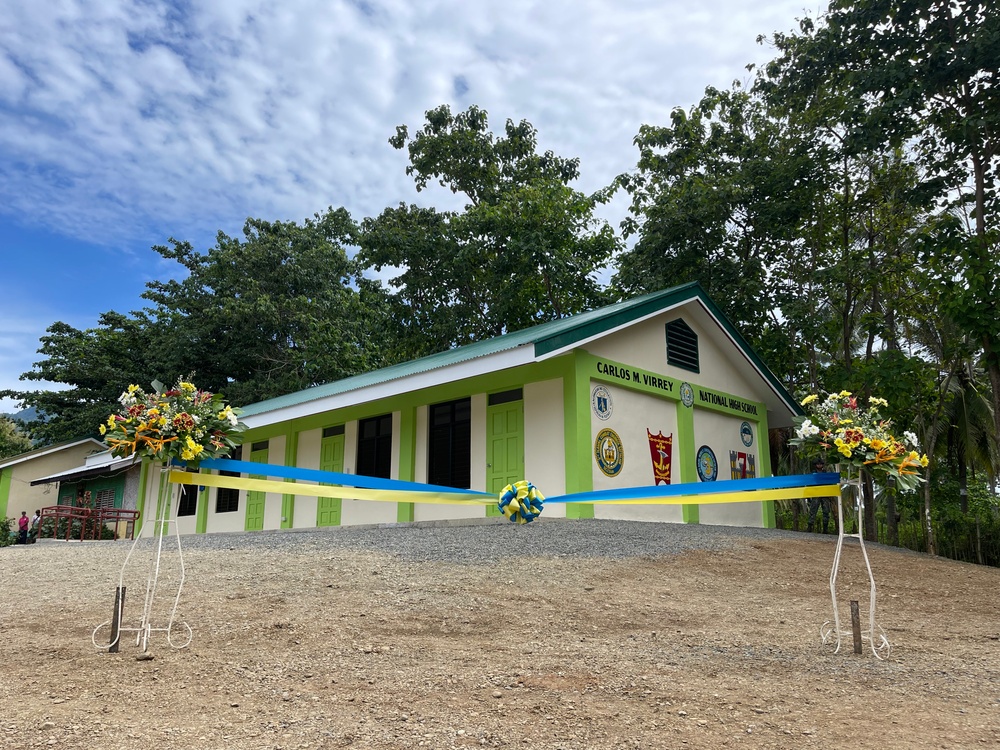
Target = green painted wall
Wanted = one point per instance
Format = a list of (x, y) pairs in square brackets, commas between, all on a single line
[(5, 475), (407, 456), (688, 469), (288, 501)]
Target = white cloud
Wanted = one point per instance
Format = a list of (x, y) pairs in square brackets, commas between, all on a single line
[(123, 122)]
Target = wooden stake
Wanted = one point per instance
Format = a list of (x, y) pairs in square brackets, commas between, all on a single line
[(856, 626), (116, 619)]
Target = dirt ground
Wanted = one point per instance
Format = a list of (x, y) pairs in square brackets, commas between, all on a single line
[(311, 648)]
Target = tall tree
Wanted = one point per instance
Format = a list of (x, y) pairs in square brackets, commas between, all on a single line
[(270, 313), (928, 73), (93, 365), (279, 310), (713, 201), (525, 248)]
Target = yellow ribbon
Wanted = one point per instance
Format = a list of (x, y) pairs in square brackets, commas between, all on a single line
[(458, 498), (325, 490), (745, 496)]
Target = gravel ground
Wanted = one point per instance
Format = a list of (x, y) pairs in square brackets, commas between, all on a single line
[(470, 542), (558, 635)]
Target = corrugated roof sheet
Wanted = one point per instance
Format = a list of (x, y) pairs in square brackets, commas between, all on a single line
[(545, 338)]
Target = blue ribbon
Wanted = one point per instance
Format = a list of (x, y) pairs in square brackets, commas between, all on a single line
[(327, 477), (701, 488)]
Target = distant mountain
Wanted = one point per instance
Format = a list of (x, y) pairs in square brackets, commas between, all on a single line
[(25, 415)]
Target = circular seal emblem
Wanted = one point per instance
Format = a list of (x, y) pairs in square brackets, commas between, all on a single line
[(708, 467), (687, 394), (608, 452), (601, 403), (746, 434)]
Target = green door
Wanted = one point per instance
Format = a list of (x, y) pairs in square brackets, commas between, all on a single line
[(255, 500), (504, 448), (331, 458)]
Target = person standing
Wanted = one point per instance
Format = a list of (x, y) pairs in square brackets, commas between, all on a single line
[(34, 525), (22, 528)]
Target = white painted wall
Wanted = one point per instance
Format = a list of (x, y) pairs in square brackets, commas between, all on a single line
[(644, 346), (632, 413), (545, 442), (307, 458), (235, 521), (721, 433)]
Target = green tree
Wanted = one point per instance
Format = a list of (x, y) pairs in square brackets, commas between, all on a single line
[(13, 441), (94, 365), (927, 72), (526, 248), (713, 200), (279, 310)]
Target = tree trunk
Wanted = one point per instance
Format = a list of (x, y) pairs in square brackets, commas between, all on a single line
[(891, 527), (928, 527), (868, 490)]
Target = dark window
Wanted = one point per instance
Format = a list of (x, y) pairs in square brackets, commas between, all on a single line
[(375, 446), (227, 500), (505, 397), (682, 346), (258, 446), (333, 431), (104, 498), (449, 444), (188, 504)]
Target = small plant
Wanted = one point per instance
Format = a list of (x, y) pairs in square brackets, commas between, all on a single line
[(7, 534)]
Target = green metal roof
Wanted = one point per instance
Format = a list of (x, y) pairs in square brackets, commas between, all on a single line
[(546, 337)]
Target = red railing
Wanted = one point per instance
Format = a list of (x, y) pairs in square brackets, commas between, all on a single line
[(86, 523)]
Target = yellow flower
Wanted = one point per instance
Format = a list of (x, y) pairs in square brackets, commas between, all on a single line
[(845, 450), (188, 387), (102, 429), (153, 412), (111, 421), (809, 399), (133, 388), (845, 394), (877, 444), (924, 461)]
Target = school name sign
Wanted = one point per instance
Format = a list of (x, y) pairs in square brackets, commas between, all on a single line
[(639, 377), (728, 402), (617, 372)]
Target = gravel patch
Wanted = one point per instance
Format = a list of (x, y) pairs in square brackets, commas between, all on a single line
[(495, 539)]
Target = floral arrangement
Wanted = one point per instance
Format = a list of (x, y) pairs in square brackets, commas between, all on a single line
[(183, 423), (838, 430)]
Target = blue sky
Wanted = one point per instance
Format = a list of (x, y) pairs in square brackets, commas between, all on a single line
[(126, 122)]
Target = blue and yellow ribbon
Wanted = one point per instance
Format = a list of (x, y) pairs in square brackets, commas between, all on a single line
[(520, 502)]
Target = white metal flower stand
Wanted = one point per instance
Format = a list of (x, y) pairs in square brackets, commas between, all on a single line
[(168, 498), (833, 632)]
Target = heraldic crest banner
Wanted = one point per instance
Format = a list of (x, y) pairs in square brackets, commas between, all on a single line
[(660, 450)]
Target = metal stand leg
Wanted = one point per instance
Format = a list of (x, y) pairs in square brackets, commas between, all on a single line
[(168, 497), (832, 631)]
